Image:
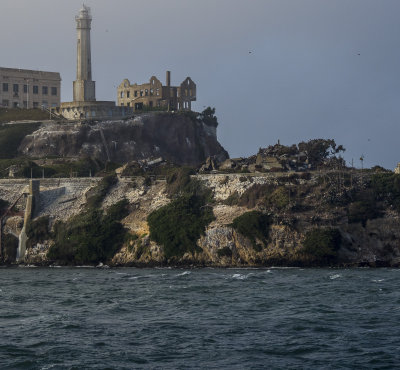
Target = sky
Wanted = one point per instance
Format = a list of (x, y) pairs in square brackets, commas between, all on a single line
[(287, 70)]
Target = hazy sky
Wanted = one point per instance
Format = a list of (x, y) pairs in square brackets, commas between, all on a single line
[(274, 69)]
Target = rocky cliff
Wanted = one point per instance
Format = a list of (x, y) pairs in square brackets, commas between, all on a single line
[(373, 240), (177, 137)]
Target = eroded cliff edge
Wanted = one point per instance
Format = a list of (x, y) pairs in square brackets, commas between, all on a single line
[(180, 138)]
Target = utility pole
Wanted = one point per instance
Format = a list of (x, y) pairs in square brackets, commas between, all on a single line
[(362, 168)]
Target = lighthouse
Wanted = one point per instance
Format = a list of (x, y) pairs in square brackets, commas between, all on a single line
[(84, 87), (84, 104)]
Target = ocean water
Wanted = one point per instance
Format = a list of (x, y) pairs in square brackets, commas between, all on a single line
[(127, 318)]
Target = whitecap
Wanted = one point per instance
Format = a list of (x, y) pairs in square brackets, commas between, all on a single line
[(335, 276), (378, 280), (184, 273)]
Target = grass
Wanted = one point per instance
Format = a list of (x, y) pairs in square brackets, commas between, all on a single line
[(18, 114), (11, 137)]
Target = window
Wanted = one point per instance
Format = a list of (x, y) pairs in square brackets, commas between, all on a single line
[(158, 92), (5, 103), (141, 92), (36, 89), (128, 104), (135, 94), (45, 90), (146, 92), (25, 104), (5, 87), (128, 94), (122, 94), (151, 92), (35, 104), (15, 88), (54, 91), (15, 104), (25, 89)]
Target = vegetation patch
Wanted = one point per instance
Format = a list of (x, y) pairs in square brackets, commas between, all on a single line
[(224, 252), (179, 181), (38, 231), (96, 195), (279, 198), (18, 114), (321, 245), (11, 136), (90, 237), (386, 187), (253, 195), (10, 248), (3, 206), (253, 225), (178, 225)]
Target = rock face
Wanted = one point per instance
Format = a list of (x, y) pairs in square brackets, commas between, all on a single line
[(176, 137), (375, 243)]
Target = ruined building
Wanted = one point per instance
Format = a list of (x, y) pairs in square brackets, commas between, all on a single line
[(85, 104), (154, 95), (23, 88)]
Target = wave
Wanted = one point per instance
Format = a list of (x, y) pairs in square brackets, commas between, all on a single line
[(241, 276), (335, 276), (184, 273)]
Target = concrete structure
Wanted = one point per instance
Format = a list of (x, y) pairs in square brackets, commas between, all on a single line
[(84, 105), (84, 87), (24, 88), (154, 95)]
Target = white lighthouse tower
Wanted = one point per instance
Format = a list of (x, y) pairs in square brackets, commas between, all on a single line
[(84, 87), (84, 104)]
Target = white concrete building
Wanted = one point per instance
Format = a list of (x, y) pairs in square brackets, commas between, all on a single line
[(23, 88)]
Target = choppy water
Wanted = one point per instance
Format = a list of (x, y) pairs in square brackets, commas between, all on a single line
[(81, 318)]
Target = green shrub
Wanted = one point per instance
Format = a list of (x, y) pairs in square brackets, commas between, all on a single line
[(253, 225), (279, 198), (38, 230), (208, 117), (130, 240), (254, 194), (233, 199), (362, 210), (10, 248), (386, 187), (11, 136), (178, 225), (19, 114), (224, 252), (178, 181), (3, 205), (321, 245), (89, 237), (96, 195)]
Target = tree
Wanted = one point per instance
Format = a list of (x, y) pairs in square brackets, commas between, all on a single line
[(318, 150), (208, 117)]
